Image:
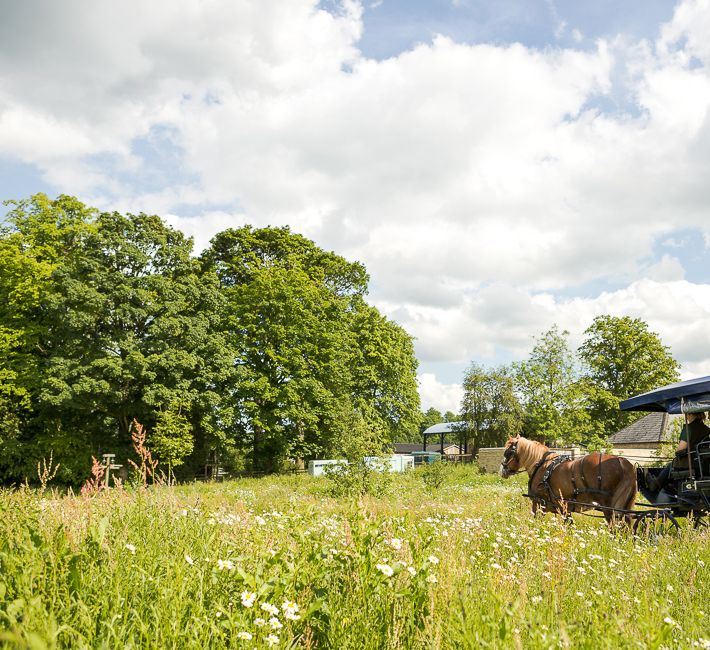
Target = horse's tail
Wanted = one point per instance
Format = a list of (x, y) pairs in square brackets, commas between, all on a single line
[(624, 496)]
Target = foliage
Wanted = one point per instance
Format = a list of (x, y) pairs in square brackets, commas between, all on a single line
[(622, 358), (356, 477), (548, 382), (434, 474), (195, 566), (265, 343), (429, 418), (118, 324), (171, 439), (489, 407), (307, 348)]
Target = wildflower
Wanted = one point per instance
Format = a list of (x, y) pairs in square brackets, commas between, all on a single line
[(225, 565), (536, 599), (189, 560), (271, 609), (261, 521), (259, 622), (248, 598), (494, 565), (272, 639), (131, 548), (218, 614), (669, 587), (386, 569), (412, 570), (275, 623), (433, 559), (246, 636), (669, 621), (290, 610), (431, 578), (396, 543), (580, 594)]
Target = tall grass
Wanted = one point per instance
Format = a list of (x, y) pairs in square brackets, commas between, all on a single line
[(278, 562)]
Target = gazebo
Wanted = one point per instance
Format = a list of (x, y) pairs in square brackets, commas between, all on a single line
[(441, 430)]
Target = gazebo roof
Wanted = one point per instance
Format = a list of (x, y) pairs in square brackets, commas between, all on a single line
[(445, 427)]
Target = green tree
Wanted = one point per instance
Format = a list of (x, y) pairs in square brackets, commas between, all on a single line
[(37, 238), (621, 358), (429, 418), (548, 383), (383, 366), (122, 326), (309, 353), (489, 407), (450, 416), (171, 438)]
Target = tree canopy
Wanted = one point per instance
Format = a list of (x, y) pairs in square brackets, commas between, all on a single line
[(260, 349), (570, 397), (621, 358)]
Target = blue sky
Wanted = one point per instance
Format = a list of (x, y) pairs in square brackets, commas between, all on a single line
[(392, 26), (499, 167)]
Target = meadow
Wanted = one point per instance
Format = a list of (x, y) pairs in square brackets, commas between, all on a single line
[(454, 562)]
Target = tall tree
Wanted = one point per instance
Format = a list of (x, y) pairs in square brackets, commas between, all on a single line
[(490, 407), (383, 366), (306, 347), (622, 358), (123, 328), (429, 418), (38, 237), (550, 392)]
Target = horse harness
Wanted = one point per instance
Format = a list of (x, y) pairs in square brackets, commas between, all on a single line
[(551, 467)]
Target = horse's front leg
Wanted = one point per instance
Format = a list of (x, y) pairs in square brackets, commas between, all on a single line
[(538, 508)]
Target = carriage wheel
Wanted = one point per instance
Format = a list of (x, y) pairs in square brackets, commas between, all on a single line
[(653, 525)]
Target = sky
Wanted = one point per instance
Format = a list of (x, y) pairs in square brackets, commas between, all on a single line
[(499, 166)]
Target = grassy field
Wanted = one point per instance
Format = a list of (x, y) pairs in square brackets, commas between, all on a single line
[(282, 563)]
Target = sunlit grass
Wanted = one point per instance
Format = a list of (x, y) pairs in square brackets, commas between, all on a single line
[(277, 562)]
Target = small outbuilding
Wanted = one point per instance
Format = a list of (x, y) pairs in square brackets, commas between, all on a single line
[(450, 448), (649, 432)]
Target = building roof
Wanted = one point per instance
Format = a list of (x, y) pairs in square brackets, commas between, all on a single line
[(409, 447), (445, 427), (649, 429)]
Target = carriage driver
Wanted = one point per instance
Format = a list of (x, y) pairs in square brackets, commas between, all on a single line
[(694, 431)]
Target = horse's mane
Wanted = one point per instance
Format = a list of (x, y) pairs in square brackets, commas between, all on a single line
[(530, 452)]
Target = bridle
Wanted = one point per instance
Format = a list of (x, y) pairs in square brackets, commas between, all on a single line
[(509, 454)]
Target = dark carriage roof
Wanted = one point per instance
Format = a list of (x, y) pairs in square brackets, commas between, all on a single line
[(689, 396)]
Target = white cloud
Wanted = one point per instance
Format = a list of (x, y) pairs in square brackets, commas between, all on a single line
[(478, 183), (443, 397), (668, 268)]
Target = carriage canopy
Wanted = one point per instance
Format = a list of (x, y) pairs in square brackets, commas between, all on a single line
[(691, 396)]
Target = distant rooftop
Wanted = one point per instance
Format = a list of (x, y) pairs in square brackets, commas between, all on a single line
[(409, 447), (649, 429), (445, 427)]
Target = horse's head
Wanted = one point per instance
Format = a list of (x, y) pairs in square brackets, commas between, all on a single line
[(511, 461)]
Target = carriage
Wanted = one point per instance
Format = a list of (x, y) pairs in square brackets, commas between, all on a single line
[(609, 483), (687, 492)]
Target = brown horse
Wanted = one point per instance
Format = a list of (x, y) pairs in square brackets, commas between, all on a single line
[(560, 484)]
